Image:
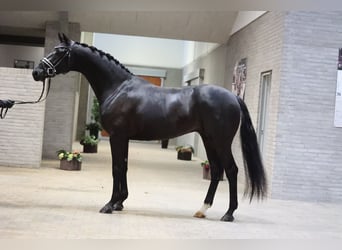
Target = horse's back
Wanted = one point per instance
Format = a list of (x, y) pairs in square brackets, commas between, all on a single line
[(217, 99), (147, 112), (207, 109), (165, 112)]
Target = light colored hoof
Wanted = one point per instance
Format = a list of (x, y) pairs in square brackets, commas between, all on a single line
[(199, 214)]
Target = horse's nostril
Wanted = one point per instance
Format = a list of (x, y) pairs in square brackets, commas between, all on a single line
[(35, 74)]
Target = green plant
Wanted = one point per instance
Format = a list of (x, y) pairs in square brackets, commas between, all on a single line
[(95, 110), (69, 156), (185, 148), (205, 164), (95, 125), (89, 140)]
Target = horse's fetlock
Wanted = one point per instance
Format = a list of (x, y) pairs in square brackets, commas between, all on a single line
[(124, 195)]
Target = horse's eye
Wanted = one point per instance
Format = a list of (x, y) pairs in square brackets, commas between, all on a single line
[(61, 50)]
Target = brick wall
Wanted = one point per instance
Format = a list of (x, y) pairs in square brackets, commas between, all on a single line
[(303, 148), (261, 43), (308, 158), (21, 132)]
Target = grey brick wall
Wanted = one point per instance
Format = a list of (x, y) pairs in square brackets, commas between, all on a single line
[(308, 158), (21, 132), (303, 148), (261, 43)]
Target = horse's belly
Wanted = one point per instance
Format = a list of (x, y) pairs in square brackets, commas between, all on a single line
[(159, 131)]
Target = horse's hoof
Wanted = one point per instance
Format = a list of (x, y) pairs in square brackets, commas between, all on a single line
[(199, 214), (107, 209), (118, 206), (227, 217)]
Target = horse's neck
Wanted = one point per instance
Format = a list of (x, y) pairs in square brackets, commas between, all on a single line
[(104, 75)]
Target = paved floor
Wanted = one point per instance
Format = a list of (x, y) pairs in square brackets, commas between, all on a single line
[(164, 194)]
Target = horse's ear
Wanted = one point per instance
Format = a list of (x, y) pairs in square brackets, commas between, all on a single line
[(66, 40), (60, 37)]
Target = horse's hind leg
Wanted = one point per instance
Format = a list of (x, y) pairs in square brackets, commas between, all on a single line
[(231, 173), (215, 171), (219, 161)]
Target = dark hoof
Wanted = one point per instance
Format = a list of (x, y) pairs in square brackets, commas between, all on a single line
[(227, 217), (107, 209), (118, 206)]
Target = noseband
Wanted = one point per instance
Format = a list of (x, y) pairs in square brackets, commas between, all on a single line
[(50, 68)]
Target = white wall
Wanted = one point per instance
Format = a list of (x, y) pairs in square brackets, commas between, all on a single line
[(142, 51), (152, 52), (21, 132), (244, 18), (11, 52), (194, 50)]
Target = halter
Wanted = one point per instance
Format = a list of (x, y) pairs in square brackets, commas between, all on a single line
[(50, 70)]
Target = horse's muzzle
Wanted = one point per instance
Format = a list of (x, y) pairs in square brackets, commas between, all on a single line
[(38, 74)]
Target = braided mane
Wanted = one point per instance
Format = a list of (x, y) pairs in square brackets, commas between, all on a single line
[(102, 53)]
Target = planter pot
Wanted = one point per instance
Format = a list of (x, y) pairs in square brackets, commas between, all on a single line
[(70, 165), (87, 148), (164, 143), (207, 175), (185, 156)]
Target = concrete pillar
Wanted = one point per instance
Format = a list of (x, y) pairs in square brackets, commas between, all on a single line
[(83, 110), (61, 104)]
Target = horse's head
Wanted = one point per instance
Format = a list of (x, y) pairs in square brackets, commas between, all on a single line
[(55, 62)]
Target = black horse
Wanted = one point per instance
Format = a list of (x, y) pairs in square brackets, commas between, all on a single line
[(132, 108)]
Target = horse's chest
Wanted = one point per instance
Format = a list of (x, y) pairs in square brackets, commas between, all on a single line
[(115, 119), (116, 116)]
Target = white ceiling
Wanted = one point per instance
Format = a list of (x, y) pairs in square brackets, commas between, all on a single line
[(205, 26)]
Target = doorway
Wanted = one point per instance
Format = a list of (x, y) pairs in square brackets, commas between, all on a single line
[(265, 89), (152, 79)]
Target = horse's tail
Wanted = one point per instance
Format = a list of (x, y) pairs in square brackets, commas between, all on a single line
[(254, 170)]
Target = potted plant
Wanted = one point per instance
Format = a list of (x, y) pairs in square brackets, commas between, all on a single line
[(206, 170), (89, 143), (184, 152), (94, 128), (69, 160), (95, 125)]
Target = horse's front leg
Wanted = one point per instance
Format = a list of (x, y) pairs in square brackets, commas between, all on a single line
[(119, 148)]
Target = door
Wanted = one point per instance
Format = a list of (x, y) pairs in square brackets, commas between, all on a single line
[(154, 80), (265, 89)]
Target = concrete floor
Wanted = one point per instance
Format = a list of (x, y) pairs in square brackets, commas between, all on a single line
[(164, 194)]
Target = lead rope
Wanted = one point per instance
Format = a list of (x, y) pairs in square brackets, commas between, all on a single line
[(7, 104)]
